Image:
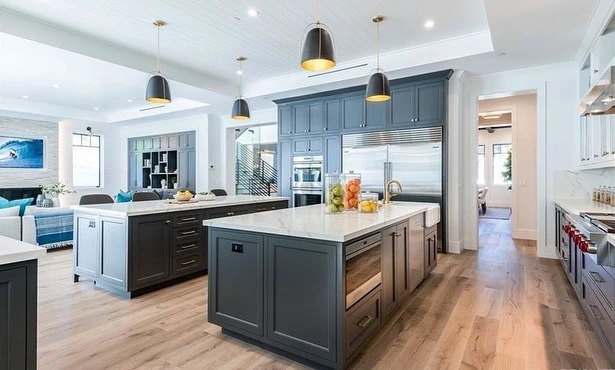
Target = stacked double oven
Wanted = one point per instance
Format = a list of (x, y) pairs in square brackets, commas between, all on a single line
[(307, 180)]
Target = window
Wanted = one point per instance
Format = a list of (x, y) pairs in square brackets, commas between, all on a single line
[(86, 160), (481, 165), (500, 154)]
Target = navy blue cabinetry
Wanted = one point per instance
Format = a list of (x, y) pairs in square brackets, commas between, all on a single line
[(333, 154), (333, 115), (377, 115), (285, 120), (353, 112), (421, 104)]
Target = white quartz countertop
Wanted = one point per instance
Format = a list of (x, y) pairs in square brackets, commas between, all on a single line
[(576, 206), (312, 221), (162, 206), (12, 250)]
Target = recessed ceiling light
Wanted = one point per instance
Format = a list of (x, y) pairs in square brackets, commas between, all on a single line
[(130, 100), (55, 86), (429, 24), (239, 72), (26, 97), (253, 12), (96, 108)]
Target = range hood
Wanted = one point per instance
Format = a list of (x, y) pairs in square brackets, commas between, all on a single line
[(601, 98)]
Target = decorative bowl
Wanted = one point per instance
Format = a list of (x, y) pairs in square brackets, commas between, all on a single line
[(182, 197), (202, 197)]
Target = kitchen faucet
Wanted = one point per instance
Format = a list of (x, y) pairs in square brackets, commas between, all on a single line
[(387, 191)]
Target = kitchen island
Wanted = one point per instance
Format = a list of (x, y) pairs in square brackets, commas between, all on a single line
[(317, 286), (18, 303), (136, 247)]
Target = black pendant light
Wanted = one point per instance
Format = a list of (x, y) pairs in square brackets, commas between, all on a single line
[(158, 87), (378, 84), (318, 53), (241, 110)]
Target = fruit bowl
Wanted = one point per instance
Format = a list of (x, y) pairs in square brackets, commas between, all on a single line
[(182, 196)]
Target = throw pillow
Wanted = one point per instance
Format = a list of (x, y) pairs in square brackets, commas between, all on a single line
[(9, 212), (3, 200), (21, 203), (123, 197)]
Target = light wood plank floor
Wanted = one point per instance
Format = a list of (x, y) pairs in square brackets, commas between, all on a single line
[(500, 308)]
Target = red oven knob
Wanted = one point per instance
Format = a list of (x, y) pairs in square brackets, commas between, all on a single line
[(584, 246), (571, 233), (567, 228), (576, 239)]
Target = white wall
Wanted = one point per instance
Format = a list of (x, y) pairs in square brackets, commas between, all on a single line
[(497, 195), (111, 177), (557, 149)]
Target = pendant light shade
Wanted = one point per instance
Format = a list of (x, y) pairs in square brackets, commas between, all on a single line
[(378, 89), (157, 90), (318, 52), (241, 110)]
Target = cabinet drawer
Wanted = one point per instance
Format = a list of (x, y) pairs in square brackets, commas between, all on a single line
[(186, 232), (597, 312), (227, 212), (187, 264), (599, 276), (185, 246), (362, 321), (187, 219), (263, 207), (357, 245)]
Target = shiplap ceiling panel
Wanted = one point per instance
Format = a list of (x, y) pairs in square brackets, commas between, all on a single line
[(206, 36)]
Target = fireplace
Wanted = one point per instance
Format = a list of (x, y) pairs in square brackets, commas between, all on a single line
[(20, 193)]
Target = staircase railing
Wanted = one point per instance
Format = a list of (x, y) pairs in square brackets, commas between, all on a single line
[(253, 176)]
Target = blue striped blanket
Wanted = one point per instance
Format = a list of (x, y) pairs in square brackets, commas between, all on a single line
[(54, 228)]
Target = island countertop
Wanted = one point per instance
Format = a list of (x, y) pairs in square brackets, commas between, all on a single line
[(12, 250), (128, 209), (312, 221)]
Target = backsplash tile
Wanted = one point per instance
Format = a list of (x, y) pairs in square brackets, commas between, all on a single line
[(580, 184)]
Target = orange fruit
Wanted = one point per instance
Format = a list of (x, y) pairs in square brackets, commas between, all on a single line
[(354, 188), (350, 182), (357, 181), (353, 202)]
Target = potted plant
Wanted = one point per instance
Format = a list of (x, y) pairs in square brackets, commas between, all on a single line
[(507, 173), (52, 193)]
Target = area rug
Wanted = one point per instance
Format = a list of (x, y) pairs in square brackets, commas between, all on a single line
[(497, 213)]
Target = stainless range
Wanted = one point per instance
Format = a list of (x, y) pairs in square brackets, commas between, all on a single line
[(588, 232)]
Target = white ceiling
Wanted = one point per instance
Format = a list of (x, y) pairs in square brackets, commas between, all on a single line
[(100, 51)]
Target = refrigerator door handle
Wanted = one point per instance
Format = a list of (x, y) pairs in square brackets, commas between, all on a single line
[(390, 172), (386, 174)]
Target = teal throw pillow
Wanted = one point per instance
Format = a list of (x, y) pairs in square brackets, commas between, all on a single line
[(3, 201), (123, 197), (22, 203)]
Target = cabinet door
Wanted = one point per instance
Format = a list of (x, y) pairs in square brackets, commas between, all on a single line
[(150, 260), (333, 115), (113, 251), (285, 121), (285, 158), (139, 145), (132, 145), (302, 118), (237, 297), (302, 301), (403, 106), (300, 146), (132, 170), (160, 142), (182, 168), (377, 114), (315, 145), (333, 154), (316, 118), (13, 319), (148, 143), (191, 140), (583, 137), (173, 141), (139, 170), (389, 299), (353, 112), (402, 261), (191, 177), (430, 104), (85, 255)]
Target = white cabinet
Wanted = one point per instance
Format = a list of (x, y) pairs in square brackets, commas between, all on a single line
[(597, 139)]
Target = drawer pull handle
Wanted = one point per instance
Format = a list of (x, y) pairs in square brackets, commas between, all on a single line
[(188, 219), (398, 234), (596, 276), (230, 213), (188, 262), (188, 246), (188, 232), (596, 312), (365, 321), (261, 209), (168, 221)]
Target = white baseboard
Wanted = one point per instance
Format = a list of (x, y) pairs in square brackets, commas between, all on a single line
[(455, 247), (525, 234), (547, 252)]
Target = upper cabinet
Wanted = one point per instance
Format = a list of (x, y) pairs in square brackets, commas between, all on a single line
[(333, 115), (597, 135), (308, 118), (353, 112), (421, 104), (285, 120)]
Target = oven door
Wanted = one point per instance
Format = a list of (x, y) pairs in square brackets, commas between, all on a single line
[(306, 197), (307, 175), (363, 272)]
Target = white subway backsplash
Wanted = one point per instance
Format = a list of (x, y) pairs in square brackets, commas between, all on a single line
[(580, 184)]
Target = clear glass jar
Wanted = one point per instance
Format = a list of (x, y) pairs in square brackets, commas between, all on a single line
[(334, 193), (368, 202), (352, 190)]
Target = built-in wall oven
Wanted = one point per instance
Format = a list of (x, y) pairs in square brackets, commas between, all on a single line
[(307, 180), (363, 268)]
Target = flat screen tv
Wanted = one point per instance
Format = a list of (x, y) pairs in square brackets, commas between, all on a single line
[(21, 152)]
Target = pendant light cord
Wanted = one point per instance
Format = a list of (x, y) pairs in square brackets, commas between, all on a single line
[(378, 46), (240, 75), (158, 60), (317, 12)]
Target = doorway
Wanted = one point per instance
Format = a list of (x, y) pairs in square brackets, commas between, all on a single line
[(507, 167)]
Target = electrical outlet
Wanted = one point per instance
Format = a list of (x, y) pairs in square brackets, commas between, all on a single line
[(237, 248)]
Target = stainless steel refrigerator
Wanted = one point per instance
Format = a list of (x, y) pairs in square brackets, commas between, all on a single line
[(413, 157)]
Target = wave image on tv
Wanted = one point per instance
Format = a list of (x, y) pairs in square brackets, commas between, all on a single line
[(16, 152)]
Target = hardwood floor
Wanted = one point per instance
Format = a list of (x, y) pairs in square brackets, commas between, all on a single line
[(500, 308)]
